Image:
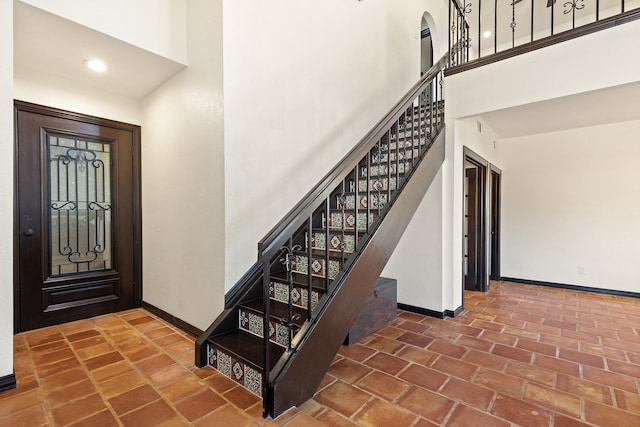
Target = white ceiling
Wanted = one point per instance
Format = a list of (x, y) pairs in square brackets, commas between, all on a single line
[(47, 43), (612, 105)]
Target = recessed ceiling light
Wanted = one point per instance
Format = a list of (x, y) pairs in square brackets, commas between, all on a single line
[(95, 65), (486, 34)]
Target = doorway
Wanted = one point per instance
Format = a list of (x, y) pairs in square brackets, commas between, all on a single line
[(426, 46), (78, 219), (496, 177), (474, 222)]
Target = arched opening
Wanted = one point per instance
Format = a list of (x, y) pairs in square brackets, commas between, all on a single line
[(426, 45)]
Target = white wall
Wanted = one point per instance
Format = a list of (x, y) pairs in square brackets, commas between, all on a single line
[(44, 89), (570, 200), (599, 60), (155, 25), (183, 179), (305, 80), (6, 188), (417, 261), (484, 142)]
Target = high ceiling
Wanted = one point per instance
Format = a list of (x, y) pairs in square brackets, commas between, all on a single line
[(47, 43)]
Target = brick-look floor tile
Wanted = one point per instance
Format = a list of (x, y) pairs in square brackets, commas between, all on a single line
[(241, 397), (619, 367), (536, 347), (565, 421), (448, 349), (586, 389), (424, 377), (520, 412), (500, 382), (418, 328), (63, 395), (383, 385), (475, 343), (553, 399), (20, 402), (168, 375), (487, 360), (357, 352), (182, 388), (556, 364), (385, 344), (512, 353), (380, 413), (581, 357), (151, 415), (343, 398), (426, 404), (386, 363), (101, 419), (498, 337), (613, 379), (464, 416), (334, 419), (414, 339), (627, 401), (77, 410), (470, 394), (455, 367), (133, 399), (200, 404), (348, 370), (419, 356), (604, 415)]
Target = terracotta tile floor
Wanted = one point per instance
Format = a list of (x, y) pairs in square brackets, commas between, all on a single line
[(518, 356)]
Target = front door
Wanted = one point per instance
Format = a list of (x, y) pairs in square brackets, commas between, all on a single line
[(78, 217)]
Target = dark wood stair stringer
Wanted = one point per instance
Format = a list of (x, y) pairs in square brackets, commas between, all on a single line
[(324, 337)]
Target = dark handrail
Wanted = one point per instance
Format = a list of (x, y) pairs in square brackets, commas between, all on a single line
[(293, 219)]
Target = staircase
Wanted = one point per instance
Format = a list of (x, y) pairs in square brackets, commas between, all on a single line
[(286, 318)]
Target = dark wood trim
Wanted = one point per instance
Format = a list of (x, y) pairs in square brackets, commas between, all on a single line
[(170, 318), (8, 382), (584, 30), (495, 202), (483, 165), (573, 287), (455, 313), (136, 185), (431, 313), (423, 311)]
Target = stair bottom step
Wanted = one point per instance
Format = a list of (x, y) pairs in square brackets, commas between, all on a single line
[(239, 356)]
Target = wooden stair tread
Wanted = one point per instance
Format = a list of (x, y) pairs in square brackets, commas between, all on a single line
[(277, 309), (247, 347)]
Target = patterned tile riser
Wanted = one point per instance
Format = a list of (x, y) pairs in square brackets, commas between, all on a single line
[(376, 184), (239, 372), (252, 323), (335, 242), (280, 292), (337, 220), (300, 264)]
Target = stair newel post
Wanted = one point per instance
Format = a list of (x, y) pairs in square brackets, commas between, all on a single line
[(267, 390)]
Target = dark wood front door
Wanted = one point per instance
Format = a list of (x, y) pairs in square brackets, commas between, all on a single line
[(77, 216)]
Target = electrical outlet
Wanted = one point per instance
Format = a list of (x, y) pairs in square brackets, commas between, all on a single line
[(580, 269)]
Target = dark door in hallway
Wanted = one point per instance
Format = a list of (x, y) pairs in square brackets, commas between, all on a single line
[(475, 222), (472, 224), (77, 216)]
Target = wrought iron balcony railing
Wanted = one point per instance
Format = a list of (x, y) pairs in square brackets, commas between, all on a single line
[(479, 29)]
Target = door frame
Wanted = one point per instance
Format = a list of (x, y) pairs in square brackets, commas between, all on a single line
[(136, 188), (483, 167), (495, 196)]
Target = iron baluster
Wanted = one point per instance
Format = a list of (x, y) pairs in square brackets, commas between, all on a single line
[(309, 278), (495, 27), (286, 322)]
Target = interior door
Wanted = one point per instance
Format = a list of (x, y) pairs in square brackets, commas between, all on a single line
[(78, 218), (472, 222)]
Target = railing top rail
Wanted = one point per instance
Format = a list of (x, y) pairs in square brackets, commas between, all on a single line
[(309, 202)]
